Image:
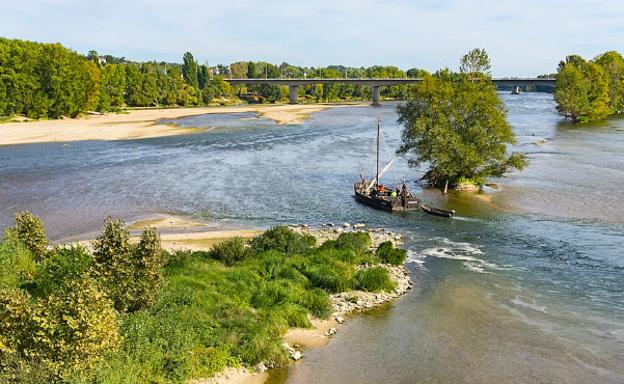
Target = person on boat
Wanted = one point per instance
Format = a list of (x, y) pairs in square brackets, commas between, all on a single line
[(404, 195), (382, 189), (394, 193)]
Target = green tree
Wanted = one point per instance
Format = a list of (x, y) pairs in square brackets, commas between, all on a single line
[(476, 61), (112, 86), (612, 63), (131, 275), (189, 70), (458, 127), (581, 90)]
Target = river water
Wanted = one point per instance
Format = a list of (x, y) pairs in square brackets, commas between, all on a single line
[(525, 285)]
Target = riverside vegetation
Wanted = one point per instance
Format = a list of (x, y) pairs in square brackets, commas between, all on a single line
[(133, 313), (40, 80), (457, 124), (589, 90)]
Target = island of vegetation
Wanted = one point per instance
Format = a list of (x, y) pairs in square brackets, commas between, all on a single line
[(457, 124), (129, 312)]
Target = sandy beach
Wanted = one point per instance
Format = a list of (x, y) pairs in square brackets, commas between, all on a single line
[(141, 123)]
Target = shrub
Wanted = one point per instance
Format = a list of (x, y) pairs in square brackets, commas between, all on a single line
[(316, 301), (230, 251), (148, 263), (29, 230), (346, 255), (391, 255), (272, 293), (15, 313), (17, 265), (63, 266), (132, 276), (373, 280), (282, 239), (64, 333), (358, 242), (331, 275)]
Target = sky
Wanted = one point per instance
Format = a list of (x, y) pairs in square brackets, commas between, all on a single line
[(523, 38)]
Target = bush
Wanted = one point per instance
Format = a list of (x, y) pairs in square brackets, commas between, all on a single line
[(15, 313), (29, 230), (132, 276), (316, 301), (17, 265), (358, 242), (64, 333), (63, 266), (323, 272), (148, 263), (230, 251), (391, 255), (373, 280), (282, 239)]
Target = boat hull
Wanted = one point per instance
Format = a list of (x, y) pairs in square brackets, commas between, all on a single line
[(387, 203)]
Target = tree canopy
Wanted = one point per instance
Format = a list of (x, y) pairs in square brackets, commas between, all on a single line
[(588, 90), (458, 127)]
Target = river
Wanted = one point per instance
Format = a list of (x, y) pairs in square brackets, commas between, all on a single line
[(526, 284)]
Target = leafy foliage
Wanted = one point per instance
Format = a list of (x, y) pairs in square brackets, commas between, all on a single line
[(29, 230), (131, 275), (230, 251), (17, 265), (63, 266), (458, 126), (282, 239), (476, 62), (58, 335), (582, 90)]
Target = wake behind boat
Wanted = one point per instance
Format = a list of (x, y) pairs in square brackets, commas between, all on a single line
[(376, 195)]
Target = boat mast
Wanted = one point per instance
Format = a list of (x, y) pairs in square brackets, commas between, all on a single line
[(378, 131)]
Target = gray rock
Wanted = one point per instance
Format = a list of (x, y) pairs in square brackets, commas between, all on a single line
[(339, 319), (296, 355), (260, 367)]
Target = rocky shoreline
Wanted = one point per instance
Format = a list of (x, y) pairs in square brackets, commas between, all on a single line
[(345, 303)]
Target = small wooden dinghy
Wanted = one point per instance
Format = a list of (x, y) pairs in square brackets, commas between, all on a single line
[(376, 195)]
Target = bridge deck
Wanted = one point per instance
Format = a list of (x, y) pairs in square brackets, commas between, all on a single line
[(377, 82)]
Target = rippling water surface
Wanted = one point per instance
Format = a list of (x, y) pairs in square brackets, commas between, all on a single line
[(526, 285)]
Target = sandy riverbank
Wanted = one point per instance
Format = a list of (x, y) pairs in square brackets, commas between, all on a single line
[(141, 123)]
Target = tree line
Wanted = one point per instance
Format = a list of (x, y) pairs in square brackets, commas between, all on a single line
[(41, 80), (48, 80), (589, 90)]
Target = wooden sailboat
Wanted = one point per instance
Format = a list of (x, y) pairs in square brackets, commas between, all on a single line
[(376, 195)]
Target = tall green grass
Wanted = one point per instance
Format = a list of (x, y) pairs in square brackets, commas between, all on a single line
[(226, 307)]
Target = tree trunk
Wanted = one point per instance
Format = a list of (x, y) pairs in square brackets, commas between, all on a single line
[(446, 187)]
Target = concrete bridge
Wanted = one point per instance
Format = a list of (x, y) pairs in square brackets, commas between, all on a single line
[(375, 84)]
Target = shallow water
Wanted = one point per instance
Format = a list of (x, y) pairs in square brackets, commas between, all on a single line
[(526, 285)]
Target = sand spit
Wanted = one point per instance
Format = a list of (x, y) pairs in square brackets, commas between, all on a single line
[(141, 123)]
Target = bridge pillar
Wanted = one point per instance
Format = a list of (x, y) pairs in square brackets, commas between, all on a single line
[(292, 94), (376, 95)]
